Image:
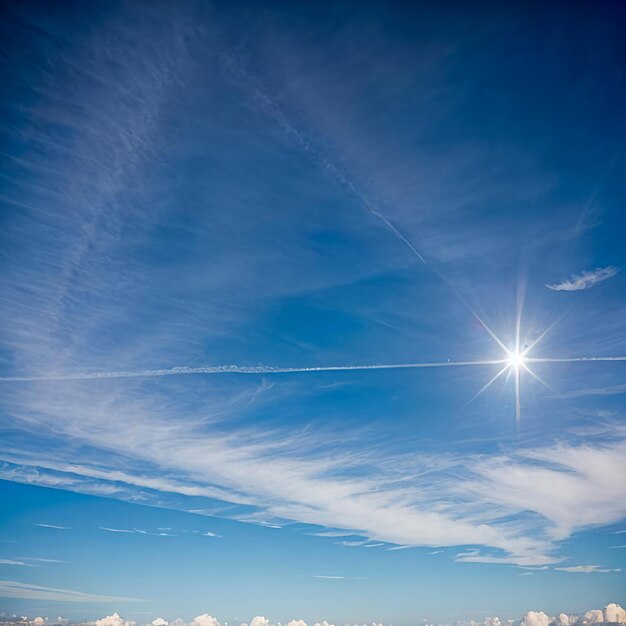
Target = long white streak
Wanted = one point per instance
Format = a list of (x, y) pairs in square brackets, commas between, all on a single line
[(518, 319), (518, 401), (543, 382), (238, 369), (273, 110), (575, 359), (546, 331), (487, 385)]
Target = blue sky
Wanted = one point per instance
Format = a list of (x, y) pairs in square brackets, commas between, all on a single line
[(277, 200)]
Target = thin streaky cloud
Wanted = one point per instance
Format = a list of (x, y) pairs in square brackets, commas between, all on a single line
[(575, 359), (587, 569), (12, 562), (584, 280), (52, 526), (238, 369), (25, 591), (117, 530)]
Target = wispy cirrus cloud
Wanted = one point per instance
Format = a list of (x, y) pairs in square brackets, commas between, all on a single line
[(25, 591), (587, 569), (54, 526), (584, 280)]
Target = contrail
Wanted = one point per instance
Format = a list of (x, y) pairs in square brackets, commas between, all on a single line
[(575, 359), (272, 109), (237, 369)]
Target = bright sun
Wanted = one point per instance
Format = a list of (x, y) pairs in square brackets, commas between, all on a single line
[(516, 359)]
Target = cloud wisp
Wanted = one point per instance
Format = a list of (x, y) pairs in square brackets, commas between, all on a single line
[(587, 569), (25, 591), (584, 280), (238, 369)]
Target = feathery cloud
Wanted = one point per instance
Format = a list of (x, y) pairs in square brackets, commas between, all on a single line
[(584, 280)]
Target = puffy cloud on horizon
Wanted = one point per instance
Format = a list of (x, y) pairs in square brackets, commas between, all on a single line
[(613, 613), (536, 618), (584, 280), (113, 620)]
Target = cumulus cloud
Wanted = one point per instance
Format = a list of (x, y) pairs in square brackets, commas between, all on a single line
[(584, 280), (535, 618), (159, 621), (615, 613), (204, 620), (113, 620)]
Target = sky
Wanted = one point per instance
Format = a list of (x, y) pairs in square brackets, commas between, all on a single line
[(312, 310)]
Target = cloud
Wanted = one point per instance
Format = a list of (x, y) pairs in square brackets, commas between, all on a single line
[(547, 480), (52, 526), (615, 613), (585, 280), (535, 618), (586, 569), (159, 621), (12, 562), (113, 620), (204, 620), (595, 616), (25, 591)]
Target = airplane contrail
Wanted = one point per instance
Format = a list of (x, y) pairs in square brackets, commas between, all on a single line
[(237, 369), (575, 359)]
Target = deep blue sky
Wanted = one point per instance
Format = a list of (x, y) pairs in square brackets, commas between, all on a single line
[(312, 185)]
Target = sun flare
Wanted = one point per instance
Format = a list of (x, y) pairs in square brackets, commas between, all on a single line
[(516, 359)]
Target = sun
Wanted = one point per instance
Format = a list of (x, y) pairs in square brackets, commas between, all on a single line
[(516, 359)]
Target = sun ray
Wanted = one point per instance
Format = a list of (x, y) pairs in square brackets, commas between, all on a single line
[(518, 401), (546, 331), (543, 382), (485, 386)]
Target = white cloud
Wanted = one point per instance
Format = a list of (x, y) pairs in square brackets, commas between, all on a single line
[(595, 616), (614, 613), (204, 620), (112, 620), (52, 526), (586, 569), (12, 562), (585, 279), (535, 618), (14, 589), (159, 621)]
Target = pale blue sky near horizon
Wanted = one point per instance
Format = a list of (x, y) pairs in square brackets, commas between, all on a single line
[(280, 200)]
